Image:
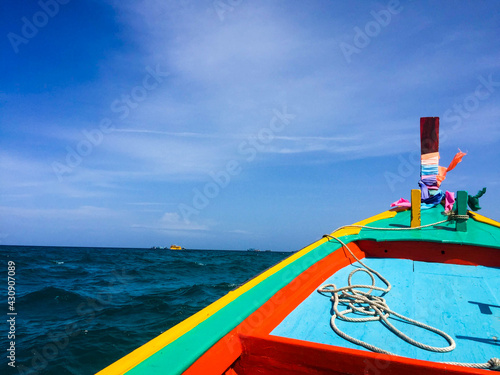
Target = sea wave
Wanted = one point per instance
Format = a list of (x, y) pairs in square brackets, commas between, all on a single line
[(101, 304)]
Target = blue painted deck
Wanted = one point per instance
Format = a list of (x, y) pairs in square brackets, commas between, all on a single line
[(463, 301)]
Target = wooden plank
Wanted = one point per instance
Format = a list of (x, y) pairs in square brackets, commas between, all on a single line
[(429, 135), (415, 207), (462, 210), (271, 355), (433, 252)]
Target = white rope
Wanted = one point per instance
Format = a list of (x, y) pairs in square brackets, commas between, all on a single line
[(375, 308)]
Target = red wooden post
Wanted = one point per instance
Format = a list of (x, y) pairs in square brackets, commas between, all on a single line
[(429, 167), (429, 135)]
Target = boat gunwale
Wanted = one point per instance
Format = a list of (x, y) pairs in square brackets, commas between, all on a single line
[(278, 307), (257, 289)]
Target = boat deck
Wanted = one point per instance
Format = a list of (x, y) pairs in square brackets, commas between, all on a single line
[(461, 300)]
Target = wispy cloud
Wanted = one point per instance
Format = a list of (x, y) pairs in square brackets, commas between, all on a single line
[(82, 212), (172, 222), (173, 134), (241, 232), (225, 79)]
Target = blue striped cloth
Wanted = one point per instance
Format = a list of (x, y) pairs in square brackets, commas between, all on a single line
[(427, 170)]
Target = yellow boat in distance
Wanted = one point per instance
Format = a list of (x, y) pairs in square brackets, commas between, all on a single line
[(176, 247)]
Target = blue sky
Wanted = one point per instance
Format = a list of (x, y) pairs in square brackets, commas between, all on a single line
[(234, 124)]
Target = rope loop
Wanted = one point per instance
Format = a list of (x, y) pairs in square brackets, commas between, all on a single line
[(454, 216), (375, 308), (494, 364), (360, 270)]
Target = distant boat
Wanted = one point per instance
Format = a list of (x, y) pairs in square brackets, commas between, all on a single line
[(176, 247), (252, 249), (306, 316)]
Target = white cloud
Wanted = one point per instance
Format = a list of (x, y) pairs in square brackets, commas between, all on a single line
[(241, 232), (172, 222)]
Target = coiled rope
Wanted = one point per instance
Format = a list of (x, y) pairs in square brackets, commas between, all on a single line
[(375, 308)]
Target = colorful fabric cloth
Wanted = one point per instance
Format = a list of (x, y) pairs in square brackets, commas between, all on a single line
[(430, 155), (433, 160), (424, 190), (443, 171), (427, 170), (429, 180), (435, 197), (456, 159), (401, 203), (473, 201), (449, 200), (431, 177)]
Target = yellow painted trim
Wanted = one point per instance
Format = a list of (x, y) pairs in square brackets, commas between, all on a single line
[(484, 219), (348, 231), (148, 349)]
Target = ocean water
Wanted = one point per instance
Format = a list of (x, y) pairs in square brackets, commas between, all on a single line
[(80, 309)]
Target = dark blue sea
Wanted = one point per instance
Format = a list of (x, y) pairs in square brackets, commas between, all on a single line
[(77, 310)]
